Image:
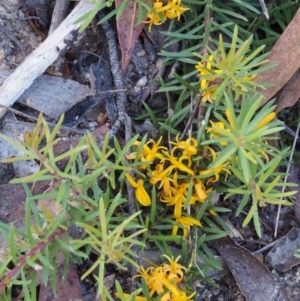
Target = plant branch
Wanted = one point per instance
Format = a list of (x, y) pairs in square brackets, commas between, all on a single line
[(23, 259)]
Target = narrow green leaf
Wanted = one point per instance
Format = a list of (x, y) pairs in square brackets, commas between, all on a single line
[(223, 156), (244, 164), (186, 84), (12, 244), (257, 224), (28, 222), (242, 204), (252, 211), (168, 128), (112, 13), (174, 238), (88, 17), (16, 145)]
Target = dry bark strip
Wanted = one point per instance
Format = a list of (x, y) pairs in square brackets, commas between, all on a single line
[(40, 59)]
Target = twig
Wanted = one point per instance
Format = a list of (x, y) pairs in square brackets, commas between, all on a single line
[(123, 118), (265, 248), (6, 278), (18, 18), (115, 66), (121, 98)]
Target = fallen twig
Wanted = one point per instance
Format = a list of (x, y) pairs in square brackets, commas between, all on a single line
[(123, 118)]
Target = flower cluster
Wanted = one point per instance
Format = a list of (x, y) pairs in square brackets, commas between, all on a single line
[(211, 77), (161, 12), (177, 176), (164, 280), (230, 72)]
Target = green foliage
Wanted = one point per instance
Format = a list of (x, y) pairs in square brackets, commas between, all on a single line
[(108, 242), (67, 204), (228, 149), (242, 134)]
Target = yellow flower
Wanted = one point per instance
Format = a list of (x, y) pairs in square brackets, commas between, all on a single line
[(216, 171), (156, 282), (186, 222), (201, 193), (201, 69), (154, 18), (178, 295), (265, 121), (207, 95), (183, 163), (161, 175), (140, 192), (177, 197), (189, 146), (213, 154), (148, 153), (155, 278), (146, 274), (163, 280), (171, 10), (214, 133), (173, 270), (174, 10)]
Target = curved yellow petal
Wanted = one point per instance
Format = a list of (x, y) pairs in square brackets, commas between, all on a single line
[(141, 194), (131, 180), (229, 117), (265, 121)]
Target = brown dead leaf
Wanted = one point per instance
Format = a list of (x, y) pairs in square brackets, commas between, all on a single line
[(286, 55), (127, 32), (253, 278), (290, 93)]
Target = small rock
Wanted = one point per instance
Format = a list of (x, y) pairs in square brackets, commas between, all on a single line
[(141, 53), (142, 82)]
